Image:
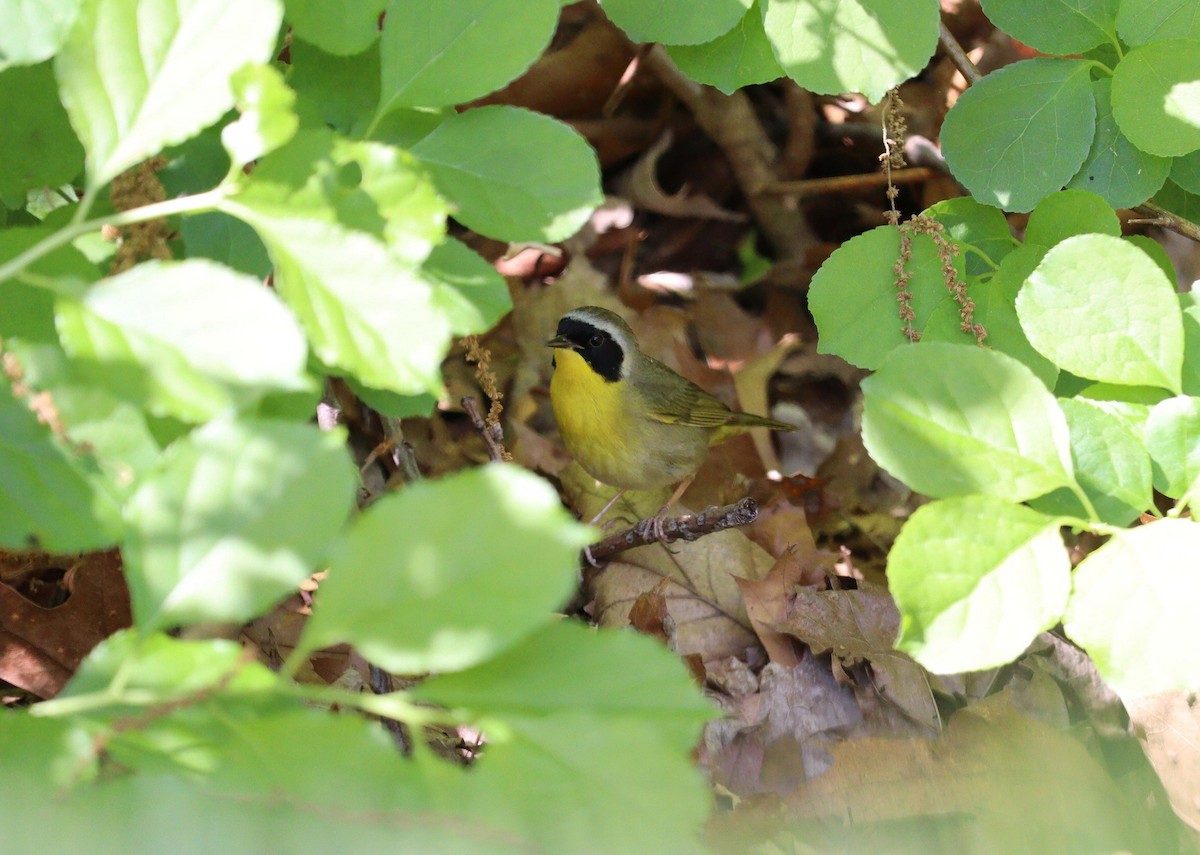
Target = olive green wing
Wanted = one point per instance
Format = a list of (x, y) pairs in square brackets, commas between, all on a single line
[(672, 399)]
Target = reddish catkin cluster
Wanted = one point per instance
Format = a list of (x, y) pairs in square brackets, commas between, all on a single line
[(946, 250), (136, 188)]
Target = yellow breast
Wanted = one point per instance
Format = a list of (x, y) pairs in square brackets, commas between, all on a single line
[(613, 443)]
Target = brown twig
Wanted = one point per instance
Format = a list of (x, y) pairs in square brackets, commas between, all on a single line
[(730, 122), (1163, 217), (687, 527), (850, 183), (968, 69), (493, 436)]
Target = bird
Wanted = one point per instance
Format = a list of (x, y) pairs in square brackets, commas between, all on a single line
[(627, 419)]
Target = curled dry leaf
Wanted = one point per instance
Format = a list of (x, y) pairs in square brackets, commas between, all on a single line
[(40, 648)]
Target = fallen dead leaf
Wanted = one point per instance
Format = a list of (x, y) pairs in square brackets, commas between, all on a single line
[(40, 648)]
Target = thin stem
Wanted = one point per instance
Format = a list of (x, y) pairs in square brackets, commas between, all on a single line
[(987, 259), (183, 205), (1093, 517)]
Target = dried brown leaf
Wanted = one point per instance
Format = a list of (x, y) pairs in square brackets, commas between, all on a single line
[(40, 648)]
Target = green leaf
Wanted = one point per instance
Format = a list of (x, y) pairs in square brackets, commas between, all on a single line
[(338, 28), (268, 119), (1102, 309), (867, 46), (977, 228), (1156, 96), (1141, 21), (1115, 168), (365, 312), (1185, 171), (975, 580), (1021, 132), (440, 54), (1111, 465), (341, 91), (45, 501), (237, 515), (1190, 303), (139, 75), (445, 574), (469, 291), (1068, 213), (740, 57), (1173, 438), (158, 669), (27, 311), (1133, 608), (34, 30), (949, 420), (589, 783), (675, 22), (115, 432), (38, 147), (1178, 201), (1056, 26), (189, 339), (324, 207), (218, 236), (853, 295), (367, 186), (566, 668), (996, 309), (535, 180)]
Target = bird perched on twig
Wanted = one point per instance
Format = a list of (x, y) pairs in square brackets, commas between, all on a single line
[(630, 421)]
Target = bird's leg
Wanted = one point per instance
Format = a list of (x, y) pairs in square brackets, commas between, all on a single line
[(660, 518), (605, 509)]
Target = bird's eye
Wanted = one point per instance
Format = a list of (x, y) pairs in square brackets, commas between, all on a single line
[(596, 340)]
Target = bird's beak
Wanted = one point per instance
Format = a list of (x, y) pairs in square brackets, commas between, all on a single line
[(561, 342)]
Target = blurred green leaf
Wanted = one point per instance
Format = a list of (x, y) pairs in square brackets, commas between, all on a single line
[(566, 668), (267, 121), (950, 420), (189, 339), (1133, 608), (447, 573), (236, 516), (1018, 134), (45, 500), (38, 147), (186, 52), (976, 578), (676, 22), (339, 28), (1173, 438), (440, 54), (535, 180), (867, 46), (1101, 308), (342, 91), (471, 294), (741, 57), (582, 782), (34, 30)]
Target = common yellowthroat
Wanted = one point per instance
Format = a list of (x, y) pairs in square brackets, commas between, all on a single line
[(630, 421)]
